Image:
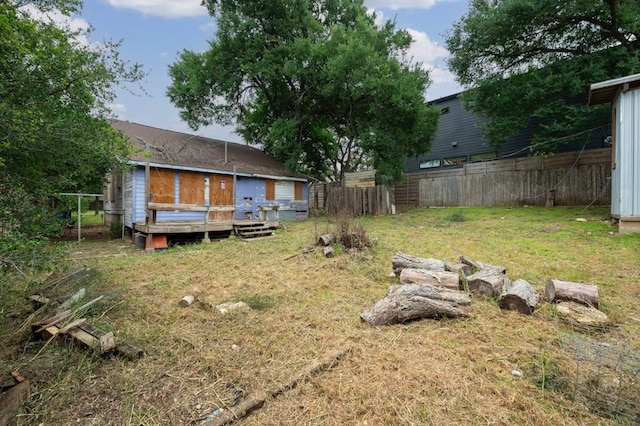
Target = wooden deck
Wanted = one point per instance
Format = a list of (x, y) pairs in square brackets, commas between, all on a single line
[(193, 227)]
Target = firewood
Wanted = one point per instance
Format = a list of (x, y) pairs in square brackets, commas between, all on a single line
[(487, 282), (12, 401), (424, 276), (326, 240), (186, 301), (479, 266), (403, 261), (328, 252), (408, 302), (587, 294), (519, 296)]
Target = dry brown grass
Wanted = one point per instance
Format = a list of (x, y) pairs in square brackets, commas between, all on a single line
[(424, 372)]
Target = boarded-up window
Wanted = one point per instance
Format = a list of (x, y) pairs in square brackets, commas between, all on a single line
[(162, 185), (220, 190), (298, 194), (284, 190), (192, 188), (270, 191)]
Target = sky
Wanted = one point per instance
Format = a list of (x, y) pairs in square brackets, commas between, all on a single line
[(154, 32)]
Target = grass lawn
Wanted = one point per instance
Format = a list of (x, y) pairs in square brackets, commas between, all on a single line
[(439, 372)]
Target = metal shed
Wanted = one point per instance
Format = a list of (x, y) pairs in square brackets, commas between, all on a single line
[(624, 95)]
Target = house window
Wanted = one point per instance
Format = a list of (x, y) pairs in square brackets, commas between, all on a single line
[(484, 156), (444, 110), (454, 161), (429, 164), (285, 190), (162, 185)]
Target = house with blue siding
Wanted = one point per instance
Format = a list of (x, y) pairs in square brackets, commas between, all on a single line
[(459, 140), (180, 184)]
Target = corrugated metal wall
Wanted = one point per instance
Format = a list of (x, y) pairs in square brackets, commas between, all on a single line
[(628, 154)]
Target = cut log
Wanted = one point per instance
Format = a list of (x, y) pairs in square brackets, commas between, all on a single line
[(326, 240), (479, 266), (408, 302), (403, 261), (587, 294), (186, 301), (328, 252), (424, 276), (459, 268), (519, 296), (487, 282), (578, 314)]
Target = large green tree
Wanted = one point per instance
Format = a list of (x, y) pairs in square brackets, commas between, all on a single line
[(54, 95), (532, 61), (316, 83)]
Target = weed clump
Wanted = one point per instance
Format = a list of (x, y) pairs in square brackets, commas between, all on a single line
[(456, 217), (352, 236)]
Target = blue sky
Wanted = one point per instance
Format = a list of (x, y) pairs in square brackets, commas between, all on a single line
[(153, 32)]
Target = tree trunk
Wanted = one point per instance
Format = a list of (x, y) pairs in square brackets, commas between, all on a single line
[(479, 266), (403, 261), (587, 294), (487, 282), (326, 240), (519, 296), (408, 302), (459, 268), (437, 278), (328, 252)]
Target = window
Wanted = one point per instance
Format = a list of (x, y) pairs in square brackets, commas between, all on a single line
[(429, 164), (454, 161)]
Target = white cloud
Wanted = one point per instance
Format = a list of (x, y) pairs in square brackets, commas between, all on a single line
[(426, 50), (73, 23), (401, 4), (118, 110), (163, 8)]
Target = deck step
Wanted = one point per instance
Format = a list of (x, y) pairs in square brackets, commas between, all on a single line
[(253, 230)]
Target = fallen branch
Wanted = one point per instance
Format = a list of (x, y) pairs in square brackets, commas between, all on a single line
[(246, 407)]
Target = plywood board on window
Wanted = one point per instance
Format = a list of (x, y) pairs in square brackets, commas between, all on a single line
[(192, 188), (270, 191), (220, 190), (162, 185), (298, 191)]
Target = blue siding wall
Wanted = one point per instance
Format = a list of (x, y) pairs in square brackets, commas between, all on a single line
[(245, 197)]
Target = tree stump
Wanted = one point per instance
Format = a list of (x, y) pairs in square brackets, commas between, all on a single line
[(403, 261), (408, 302), (487, 282), (519, 296), (587, 294), (437, 278)]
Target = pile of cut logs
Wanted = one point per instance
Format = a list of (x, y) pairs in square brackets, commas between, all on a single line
[(434, 288)]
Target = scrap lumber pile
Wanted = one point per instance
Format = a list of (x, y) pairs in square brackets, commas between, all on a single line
[(433, 288), (69, 324)]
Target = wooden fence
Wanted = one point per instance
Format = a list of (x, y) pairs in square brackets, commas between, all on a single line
[(567, 179), (333, 198)]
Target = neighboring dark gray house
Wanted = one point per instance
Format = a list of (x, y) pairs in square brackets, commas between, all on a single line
[(459, 140)]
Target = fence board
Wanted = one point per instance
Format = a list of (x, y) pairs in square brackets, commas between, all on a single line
[(514, 182)]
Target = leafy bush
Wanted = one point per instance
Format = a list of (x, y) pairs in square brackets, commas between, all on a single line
[(25, 228), (116, 230)]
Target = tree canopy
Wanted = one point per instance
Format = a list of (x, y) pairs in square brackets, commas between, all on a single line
[(316, 83), (533, 61), (54, 96)]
